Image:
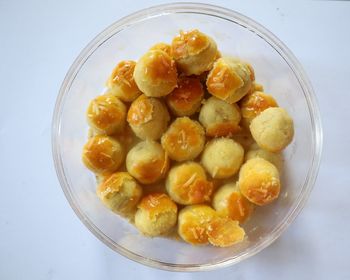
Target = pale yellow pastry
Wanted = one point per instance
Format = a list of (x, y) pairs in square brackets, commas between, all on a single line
[(222, 157), (193, 223), (156, 214), (184, 139), (155, 73), (121, 83), (272, 129), (228, 201), (186, 99), (194, 52), (103, 154), (148, 117), (219, 117), (230, 79), (259, 181), (254, 103), (255, 151), (163, 47), (187, 184), (106, 114), (120, 192), (147, 162), (224, 232)]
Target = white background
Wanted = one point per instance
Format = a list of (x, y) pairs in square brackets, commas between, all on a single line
[(40, 236)]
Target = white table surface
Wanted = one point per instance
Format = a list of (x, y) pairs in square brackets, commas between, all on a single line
[(40, 236)]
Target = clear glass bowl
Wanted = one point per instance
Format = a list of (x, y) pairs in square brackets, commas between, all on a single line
[(276, 68)]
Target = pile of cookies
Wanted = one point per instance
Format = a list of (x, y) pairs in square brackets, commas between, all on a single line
[(184, 139)]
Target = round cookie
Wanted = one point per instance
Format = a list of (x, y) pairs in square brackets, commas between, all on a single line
[(228, 201), (148, 117), (253, 104), (103, 154), (184, 139), (147, 162), (222, 157), (187, 184), (219, 117), (155, 73), (193, 223), (120, 193), (272, 129), (121, 82), (106, 114), (186, 99), (255, 151), (259, 181), (162, 47), (224, 232), (194, 52), (156, 214), (230, 79)]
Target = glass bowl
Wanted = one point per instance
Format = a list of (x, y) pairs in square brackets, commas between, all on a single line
[(276, 68)]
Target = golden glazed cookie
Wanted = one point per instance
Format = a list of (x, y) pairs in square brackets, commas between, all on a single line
[(103, 154), (147, 162), (219, 117), (148, 117), (193, 223), (184, 139), (272, 129), (253, 104), (224, 232), (187, 184), (155, 73), (106, 114), (194, 52), (259, 181), (120, 193), (255, 151), (230, 79), (156, 214), (121, 82), (186, 99), (228, 201), (162, 47), (222, 157)]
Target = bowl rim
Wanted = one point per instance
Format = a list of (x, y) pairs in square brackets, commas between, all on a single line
[(251, 25)]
